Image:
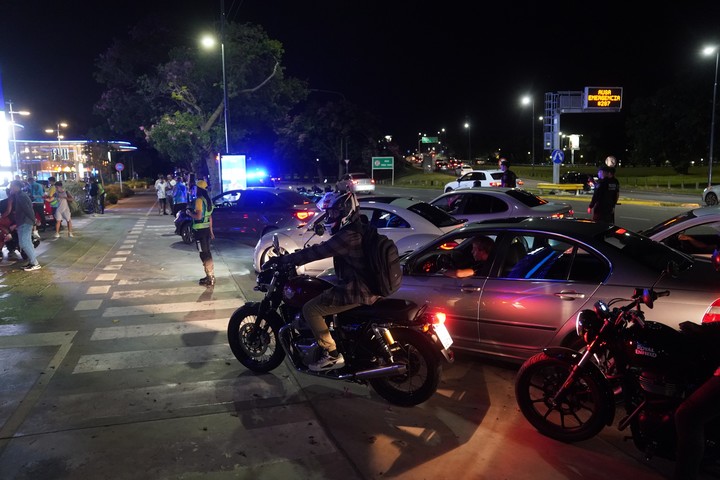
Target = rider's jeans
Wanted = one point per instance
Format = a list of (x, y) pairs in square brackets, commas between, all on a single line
[(314, 311), (25, 241), (691, 417)]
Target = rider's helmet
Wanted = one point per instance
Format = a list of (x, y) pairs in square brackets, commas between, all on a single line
[(341, 210)]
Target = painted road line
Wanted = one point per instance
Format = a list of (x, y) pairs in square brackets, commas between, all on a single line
[(159, 329), (98, 290), (178, 307), (105, 362), (87, 305), (159, 292), (106, 277)]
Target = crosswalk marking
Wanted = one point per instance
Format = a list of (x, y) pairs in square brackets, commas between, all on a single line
[(158, 292), (87, 305), (98, 290), (106, 277), (118, 259), (160, 329), (177, 307), (152, 358)]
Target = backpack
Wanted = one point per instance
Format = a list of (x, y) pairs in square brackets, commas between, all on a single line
[(384, 273)]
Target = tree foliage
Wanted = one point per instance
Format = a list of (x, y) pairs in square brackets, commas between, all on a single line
[(173, 97), (670, 126)]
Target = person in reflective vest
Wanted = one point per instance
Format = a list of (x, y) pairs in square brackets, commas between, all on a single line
[(203, 230)]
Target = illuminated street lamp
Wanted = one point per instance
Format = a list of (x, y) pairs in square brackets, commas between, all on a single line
[(59, 135), (467, 127), (709, 51), (527, 100), (12, 121)]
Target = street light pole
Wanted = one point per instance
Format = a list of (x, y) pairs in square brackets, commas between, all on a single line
[(222, 53), (531, 100), (467, 126), (12, 121), (59, 137), (710, 51)]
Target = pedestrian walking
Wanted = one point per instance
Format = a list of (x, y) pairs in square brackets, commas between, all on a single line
[(160, 185), (63, 209)]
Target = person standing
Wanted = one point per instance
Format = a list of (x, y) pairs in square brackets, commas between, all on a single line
[(100, 205), (508, 179), (605, 196), (203, 230), (50, 195), (63, 209), (37, 194), (169, 192), (25, 219), (180, 196), (94, 190), (161, 195)]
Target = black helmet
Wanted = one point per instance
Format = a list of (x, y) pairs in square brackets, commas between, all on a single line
[(341, 210)]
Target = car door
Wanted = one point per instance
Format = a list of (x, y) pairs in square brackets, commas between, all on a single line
[(424, 282), (248, 216), (529, 296), (472, 179), (226, 211)]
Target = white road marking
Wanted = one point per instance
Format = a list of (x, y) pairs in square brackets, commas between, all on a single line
[(160, 329), (88, 305), (104, 362), (112, 267), (98, 290), (179, 291), (106, 277), (178, 307), (118, 259)]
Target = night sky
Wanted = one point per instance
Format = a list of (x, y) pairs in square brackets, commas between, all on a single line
[(418, 66)]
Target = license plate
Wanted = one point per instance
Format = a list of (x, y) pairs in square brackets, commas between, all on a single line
[(443, 335)]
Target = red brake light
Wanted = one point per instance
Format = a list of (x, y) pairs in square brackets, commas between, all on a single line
[(712, 314), (438, 318), (303, 215)]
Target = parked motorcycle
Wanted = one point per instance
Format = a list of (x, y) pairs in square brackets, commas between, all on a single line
[(571, 396), (183, 227), (394, 345)]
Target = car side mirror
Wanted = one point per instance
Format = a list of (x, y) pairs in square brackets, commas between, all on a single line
[(716, 260), (319, 229)]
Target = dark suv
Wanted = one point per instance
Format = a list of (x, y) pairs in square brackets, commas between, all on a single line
[(588, 181)]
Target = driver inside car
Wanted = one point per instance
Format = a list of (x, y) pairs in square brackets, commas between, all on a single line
[(482, 247)]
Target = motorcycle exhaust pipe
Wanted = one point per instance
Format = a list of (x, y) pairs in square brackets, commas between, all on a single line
[(394, 369)]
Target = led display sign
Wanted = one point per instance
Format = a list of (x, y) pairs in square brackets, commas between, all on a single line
[(603, 98)]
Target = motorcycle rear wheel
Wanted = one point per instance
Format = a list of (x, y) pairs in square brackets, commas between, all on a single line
[(255, 345), (420, 381), (580, 415), (187, 234)]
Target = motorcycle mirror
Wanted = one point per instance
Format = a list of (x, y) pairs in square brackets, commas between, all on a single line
[(648, 297), (319, 229)]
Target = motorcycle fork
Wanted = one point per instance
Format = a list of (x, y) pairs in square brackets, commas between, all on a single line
[(574, 373)]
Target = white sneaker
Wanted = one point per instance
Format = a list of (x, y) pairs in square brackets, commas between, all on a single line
[(57, 235), (70, 234), (327, 362), (30, 268)]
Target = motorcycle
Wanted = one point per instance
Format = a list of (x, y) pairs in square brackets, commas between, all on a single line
[(183, 227), (394, 345), (571, 396)]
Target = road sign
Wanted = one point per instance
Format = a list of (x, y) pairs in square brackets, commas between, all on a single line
[(119, 167), (382, 163), (557, 156)]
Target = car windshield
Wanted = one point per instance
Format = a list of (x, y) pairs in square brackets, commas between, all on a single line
[(434, 215), (670, 222), (645, 251), (294, 198), (527, 198)]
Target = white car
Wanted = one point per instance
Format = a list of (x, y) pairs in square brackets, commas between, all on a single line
[(356, 182), (479, 204), (711, 194), (702, 224), (476, 178), (409, 223)]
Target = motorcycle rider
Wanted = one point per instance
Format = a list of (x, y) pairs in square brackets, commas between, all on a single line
[(702, 406), (345, 246)]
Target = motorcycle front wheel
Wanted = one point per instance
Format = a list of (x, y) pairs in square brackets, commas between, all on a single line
[(581, 412), (420, 381), (255, 344)]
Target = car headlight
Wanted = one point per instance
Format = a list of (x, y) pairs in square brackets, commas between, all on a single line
[(587, 325)]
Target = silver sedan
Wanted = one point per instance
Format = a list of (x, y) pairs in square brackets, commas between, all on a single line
[(540, 274)]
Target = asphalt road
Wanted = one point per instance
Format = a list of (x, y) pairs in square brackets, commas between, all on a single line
[(115, 365)]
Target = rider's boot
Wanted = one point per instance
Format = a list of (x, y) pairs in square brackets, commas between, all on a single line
[(209, 279)]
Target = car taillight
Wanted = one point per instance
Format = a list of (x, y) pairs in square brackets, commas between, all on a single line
[(303, 215), (495, 184), (438, 318), (712, 314)]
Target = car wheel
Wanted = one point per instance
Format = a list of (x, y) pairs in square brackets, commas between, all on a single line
[(711, 199), (268, 254)]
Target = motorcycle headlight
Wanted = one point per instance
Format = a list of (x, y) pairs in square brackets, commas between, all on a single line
[(587, 325)]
